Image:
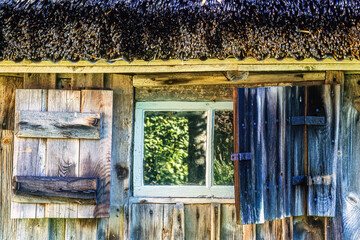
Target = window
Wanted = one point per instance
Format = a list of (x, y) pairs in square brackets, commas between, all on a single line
[(183, 149)]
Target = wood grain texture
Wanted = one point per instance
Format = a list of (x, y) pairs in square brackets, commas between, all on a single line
[(29, 154), (39, 80), (229, 229), (95, 155), (323, 148), (308, 228), (198, 221), (262, 132), (33, 124), (7, 225), (295, 196), (147, 221), (81, 229), (153, 80), (122, 129), (215, 221), (8, 85), (350, 158), (64, 153), (59, 189)]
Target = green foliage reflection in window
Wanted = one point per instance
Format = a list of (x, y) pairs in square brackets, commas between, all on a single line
[(174, 148)]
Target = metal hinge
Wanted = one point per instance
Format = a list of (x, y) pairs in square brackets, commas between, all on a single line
[(307, 120), (240, 156), (310, 180)]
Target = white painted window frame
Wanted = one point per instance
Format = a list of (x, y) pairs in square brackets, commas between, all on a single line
[(141, 190)]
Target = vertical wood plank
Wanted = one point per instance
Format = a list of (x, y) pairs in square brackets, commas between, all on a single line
[(147, 221), (63, 153), (33, 229), (56, 229), (323, 148), (215, 221), (178, 222), (229, 228), (294, 199), (83, 229), (8, 85), (308, 228), (123, 102), (273, 151), (30, 154), (197, 221), (95, 155), (87, 81), (7, 225), (39, 80), (350, 158), (236, 124)]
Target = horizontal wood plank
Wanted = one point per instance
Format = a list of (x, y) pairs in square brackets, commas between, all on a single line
[(35, 124), (157, 80), (50, 189)]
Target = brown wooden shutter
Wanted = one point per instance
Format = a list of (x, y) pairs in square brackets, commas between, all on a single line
[(62, 154), (286, 144)]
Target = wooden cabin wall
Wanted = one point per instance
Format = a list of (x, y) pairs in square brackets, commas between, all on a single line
[(171, 220)]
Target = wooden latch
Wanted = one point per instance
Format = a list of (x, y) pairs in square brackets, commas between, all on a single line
[(308, 120), (310, 180), (240, 156)]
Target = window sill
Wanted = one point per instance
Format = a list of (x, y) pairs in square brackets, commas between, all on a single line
[(169, 200)]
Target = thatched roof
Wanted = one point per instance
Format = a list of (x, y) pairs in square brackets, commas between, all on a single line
[(178, 29)]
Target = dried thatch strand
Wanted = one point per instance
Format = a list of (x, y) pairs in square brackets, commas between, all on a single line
[(180, 29)]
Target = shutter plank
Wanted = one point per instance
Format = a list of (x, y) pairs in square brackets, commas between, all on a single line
[(272, 147), (294, 203), (64, 153), (33, 124), (29, 154), (323, 148), (95, 155), (246, 173)]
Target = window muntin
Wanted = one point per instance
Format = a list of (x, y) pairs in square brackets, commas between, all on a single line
[(208, 186)]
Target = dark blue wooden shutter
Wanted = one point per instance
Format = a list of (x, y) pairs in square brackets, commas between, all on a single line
[(270, 165)]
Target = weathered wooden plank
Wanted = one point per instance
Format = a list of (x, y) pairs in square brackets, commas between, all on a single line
[(334, 77), (8, 85), (147, 221), (197, 221), (56, 228), (39, 80), (7, 225), (64, 153), (33, 229), (323, 148), (229, 229), (350, 158), (153, 80), (272, 151), (308, 228), (88, 81), (29, 154), (122, 129), (59, 189), (247, 168), (294, 196), (215, 221), (33, 124), (95, 155), (81, 229), (178, 222)]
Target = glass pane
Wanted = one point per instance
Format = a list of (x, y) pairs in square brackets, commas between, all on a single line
[(175, 148), (223, 148)]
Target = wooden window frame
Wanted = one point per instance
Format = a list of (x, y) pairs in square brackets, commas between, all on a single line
[(208, 190)]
